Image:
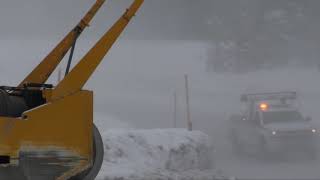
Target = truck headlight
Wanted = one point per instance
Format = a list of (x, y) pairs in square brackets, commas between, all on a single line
[(274, 132), (314, 130)]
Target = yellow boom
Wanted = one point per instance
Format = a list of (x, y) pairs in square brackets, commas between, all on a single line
[(77, 78), (43, 71)]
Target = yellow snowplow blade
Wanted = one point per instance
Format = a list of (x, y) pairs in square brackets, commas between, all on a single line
[(62, 128)]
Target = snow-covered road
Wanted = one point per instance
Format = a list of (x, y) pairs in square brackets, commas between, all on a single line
[(250, 168)]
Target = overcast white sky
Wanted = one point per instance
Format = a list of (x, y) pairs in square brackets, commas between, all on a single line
[(42, 19), (46, 18)]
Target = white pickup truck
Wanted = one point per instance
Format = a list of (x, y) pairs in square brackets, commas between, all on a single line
[(272, 125)]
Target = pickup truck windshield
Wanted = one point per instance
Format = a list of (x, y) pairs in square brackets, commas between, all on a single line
[(282, 117)]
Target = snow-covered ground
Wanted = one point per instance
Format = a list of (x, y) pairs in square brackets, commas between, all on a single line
[(158, 154)]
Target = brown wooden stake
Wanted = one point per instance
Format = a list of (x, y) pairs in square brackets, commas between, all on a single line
[(175, 110), (188, 103)]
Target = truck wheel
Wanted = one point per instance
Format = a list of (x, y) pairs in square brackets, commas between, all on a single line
[(98, 155), (312, 154), (262, 149), (236, 145)]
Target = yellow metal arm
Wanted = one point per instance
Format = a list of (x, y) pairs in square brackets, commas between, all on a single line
[(43, 71), (80, 74)]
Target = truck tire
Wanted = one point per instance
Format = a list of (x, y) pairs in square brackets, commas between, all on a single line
[(262, 149), (312, 154), (237, 148)]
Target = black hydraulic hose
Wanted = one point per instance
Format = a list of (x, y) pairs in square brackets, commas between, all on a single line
[(78, 32)]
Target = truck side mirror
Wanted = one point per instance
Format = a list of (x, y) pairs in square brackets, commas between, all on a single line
[(243, 98)]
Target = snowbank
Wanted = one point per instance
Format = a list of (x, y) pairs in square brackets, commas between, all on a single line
[(157, 154)]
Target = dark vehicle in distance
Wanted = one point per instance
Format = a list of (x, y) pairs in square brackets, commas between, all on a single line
[(271, 126)]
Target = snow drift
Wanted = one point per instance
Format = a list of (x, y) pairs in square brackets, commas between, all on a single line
[(157, 154)]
